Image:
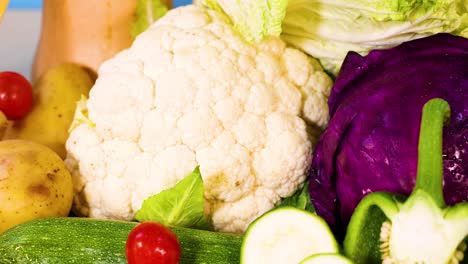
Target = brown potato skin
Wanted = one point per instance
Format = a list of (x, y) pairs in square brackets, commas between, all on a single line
[(34, 183), (55, 98)]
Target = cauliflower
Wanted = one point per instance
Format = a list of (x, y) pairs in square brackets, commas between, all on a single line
[(191, 92)]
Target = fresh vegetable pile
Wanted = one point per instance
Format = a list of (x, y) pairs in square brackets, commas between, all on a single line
[(191, 91), (34, 181), (245, 132)]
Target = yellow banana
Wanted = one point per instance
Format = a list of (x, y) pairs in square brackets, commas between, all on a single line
[(3, 6)]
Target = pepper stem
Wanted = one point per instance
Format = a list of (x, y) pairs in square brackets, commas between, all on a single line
[(430, 165)]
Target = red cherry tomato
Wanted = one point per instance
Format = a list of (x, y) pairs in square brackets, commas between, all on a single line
[(15, 95), (150, 243)]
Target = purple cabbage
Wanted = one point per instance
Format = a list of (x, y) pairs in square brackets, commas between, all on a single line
[(375, 111)]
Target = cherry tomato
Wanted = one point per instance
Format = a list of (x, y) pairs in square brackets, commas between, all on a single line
[(15, 95), (152, 242)]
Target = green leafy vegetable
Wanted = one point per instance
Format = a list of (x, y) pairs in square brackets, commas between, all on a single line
[(81, 114), (180, 206), (211, 4), (255, 20), (327, 30), (147, 12), (300, 199)]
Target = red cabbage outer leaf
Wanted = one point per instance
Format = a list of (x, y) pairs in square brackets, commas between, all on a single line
[(375, 112)]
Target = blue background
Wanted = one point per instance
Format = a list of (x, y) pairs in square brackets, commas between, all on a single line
[(28, 4)]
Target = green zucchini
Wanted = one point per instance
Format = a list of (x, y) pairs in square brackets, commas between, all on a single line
[(327, 258), (286, 235), (84, 240)]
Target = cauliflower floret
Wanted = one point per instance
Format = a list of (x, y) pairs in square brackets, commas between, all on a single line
[(191, 91)]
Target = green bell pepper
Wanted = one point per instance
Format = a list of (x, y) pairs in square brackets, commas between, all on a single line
[(385, 228)]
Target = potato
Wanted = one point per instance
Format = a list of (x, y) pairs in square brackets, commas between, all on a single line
[(55, 98), (34, 183)]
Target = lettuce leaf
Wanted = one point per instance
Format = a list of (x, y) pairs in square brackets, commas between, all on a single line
[(300, 199), (81, 115), (147, 12), (255, 20), (180, 206), (329, 29)]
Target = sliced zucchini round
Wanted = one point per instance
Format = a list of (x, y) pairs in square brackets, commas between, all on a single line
[(327, 258), (286, 235)]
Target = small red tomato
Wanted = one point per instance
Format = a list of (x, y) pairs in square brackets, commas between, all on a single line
[(15, 95), (150, 243)]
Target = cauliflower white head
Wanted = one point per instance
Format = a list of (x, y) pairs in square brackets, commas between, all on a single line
[(191, 92)]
